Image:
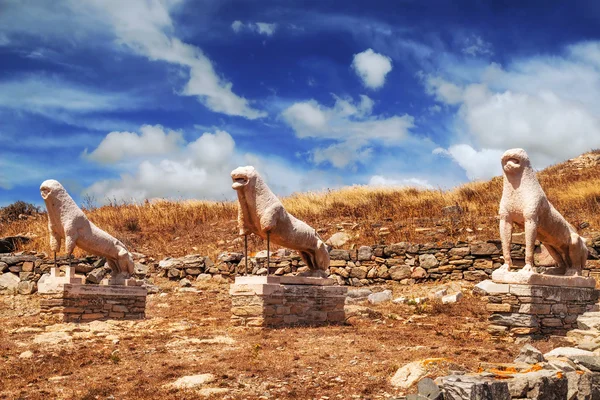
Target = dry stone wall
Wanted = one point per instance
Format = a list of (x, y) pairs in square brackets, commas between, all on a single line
[(406, 263), (80, 303)]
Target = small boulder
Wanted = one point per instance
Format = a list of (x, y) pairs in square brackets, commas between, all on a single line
[(26, 287), (530, 355), (452, 298), (380, 297), (191, 381), (185, 283), (568, 352), (338, 239), (9, 282)]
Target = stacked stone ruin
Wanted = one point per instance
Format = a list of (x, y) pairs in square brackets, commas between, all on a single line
[(406, 263)]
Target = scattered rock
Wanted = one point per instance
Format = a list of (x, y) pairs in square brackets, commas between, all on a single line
[(185, 283), (53, 338), (192, 381), (428, 389), (530, 355), (380, 297), (338, 239), (26, 354), (590, 362), (460, 387), (568, 352), (408, 375), (140, 269), (207, 392), (452, 298), (9, 282)]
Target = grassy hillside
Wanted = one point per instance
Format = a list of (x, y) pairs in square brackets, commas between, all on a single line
[(370, 215)]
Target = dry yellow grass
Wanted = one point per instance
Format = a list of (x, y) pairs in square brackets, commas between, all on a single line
[(175, 228)]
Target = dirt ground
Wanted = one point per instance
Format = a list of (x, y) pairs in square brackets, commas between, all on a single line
[(189, 333)]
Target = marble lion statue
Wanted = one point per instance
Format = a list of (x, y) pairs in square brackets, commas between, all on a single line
[(525, 204), (67, 221), (260, 212)]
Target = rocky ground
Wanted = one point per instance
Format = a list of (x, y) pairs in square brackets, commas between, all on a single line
[(187, 348)]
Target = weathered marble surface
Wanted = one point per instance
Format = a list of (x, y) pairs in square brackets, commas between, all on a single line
[(260, 212), (67, 221), (528, 277), (525, 203)]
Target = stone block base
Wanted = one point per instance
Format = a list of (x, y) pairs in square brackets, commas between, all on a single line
[(535, 309), (81, 303), (261, 301)]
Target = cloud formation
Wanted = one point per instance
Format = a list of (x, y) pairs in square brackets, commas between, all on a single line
[(158, 163), (546, 105), (262, 28), (379, 180), (372, 68), (152, 140), (350, 124)]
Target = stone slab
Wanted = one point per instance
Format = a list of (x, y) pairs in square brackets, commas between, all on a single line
[(284, 280), (502, 275), (119, 291), (275, 289), (490, 287)]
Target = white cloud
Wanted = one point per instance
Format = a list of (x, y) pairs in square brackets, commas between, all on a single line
[(265, 28), (350, 124), (153, 140), (198, 169), (445, 92), (378, 180), (143, 27), (482, 164), (262, 28), (475, 45), (546, 105), (4, 40), (237, 26), (58, 99), (372, 68)]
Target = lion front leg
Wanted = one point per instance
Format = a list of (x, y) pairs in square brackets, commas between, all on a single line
[(506, 227), (270, 217), (531, 225)]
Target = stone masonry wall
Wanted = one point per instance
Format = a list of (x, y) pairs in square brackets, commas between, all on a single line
[(284, 305), (526, 309), (74, 306), (404, 262)]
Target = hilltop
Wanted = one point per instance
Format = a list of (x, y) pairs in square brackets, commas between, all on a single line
[(368, 215)]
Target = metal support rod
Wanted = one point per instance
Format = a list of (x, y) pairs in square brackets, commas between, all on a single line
[(268, 252), (246, 253)]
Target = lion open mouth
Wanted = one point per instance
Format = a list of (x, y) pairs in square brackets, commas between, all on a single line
[(45, 192), (239, 181)]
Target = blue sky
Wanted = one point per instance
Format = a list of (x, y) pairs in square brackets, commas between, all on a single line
[(127, 100)]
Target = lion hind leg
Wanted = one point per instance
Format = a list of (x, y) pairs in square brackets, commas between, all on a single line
[(558, 257), (308, 259), (322, 255), (578, 254), (125, 261)]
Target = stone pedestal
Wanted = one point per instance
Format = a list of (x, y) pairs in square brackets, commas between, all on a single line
[(525, 308), (68, 299), (275, 301)]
